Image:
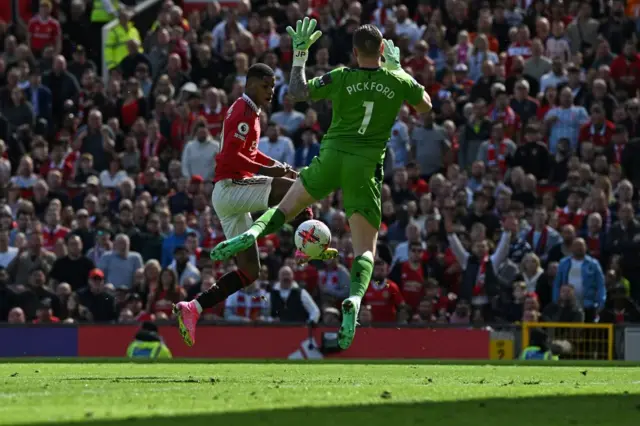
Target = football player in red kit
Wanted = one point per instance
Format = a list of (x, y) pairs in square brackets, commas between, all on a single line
[(246, 181)]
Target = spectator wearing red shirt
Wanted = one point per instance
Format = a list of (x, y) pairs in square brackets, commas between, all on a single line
[(43, 30), (615, 152), (153, 143), (410, 276), (572, 214), (419, 60), (44, 313), (418, 185), (521, 47), (166, 294), (625, 68), (504, 114), (182, 127), (213, 111), (383, 295), (58, 160), (133, 105), (598, 131), (53, 231)]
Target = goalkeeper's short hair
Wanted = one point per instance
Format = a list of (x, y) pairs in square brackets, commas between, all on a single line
[(367, 40)]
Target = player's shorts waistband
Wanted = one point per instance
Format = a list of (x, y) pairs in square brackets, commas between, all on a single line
[(254, 180)]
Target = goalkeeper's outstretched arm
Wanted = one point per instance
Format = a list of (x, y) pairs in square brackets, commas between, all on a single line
[(298, 86)]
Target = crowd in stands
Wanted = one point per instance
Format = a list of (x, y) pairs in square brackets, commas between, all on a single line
[(515, 199)]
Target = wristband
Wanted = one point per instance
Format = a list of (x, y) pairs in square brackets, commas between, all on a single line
[(300, 58)]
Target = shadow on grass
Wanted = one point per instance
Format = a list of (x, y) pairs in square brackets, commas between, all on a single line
[(580, 410)]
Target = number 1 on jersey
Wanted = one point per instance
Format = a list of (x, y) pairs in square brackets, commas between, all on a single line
[(368, 110)]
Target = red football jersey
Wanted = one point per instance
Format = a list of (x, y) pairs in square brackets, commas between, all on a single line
[(43, 33), (565, 217), (601, 137), (412, 284), (307, 277), (239, 157), (383, 297), (215, 118), (51, 236)]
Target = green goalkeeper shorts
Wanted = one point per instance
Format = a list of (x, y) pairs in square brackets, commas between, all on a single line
[(359, 178)]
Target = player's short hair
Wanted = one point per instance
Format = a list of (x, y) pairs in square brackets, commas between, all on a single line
[(260, 71), (367, 40)]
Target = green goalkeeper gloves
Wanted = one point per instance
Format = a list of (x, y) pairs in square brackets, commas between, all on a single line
[(303, 37), (391, 54)]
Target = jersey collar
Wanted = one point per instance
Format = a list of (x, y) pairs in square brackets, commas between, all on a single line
[(252, 104)]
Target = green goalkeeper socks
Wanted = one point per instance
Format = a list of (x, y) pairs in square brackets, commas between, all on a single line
[(361, 271), (271, 221)]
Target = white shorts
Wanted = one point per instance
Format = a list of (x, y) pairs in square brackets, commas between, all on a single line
[(235, 199)]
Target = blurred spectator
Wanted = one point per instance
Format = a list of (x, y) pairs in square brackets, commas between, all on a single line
[(118, 38), (63, 85), (584, 274), (16, 316), (7, 253), (276, 146), (100, 304), (148, 344), (120, 264), (289, 302), (308, 150), (288, 119), (429, 156), (566, 308), (34, 256), (248, 305), (620, 308), (183, 268), (384, 296), (199, 155), (73, 268)]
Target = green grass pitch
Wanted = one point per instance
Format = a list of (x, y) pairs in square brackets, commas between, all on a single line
[(322, 394)]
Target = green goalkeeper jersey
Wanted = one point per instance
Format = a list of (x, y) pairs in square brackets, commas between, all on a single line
[(365, 104)]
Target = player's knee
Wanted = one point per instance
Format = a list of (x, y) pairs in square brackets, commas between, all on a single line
[(363, 235), (249, 266), (251, 271)]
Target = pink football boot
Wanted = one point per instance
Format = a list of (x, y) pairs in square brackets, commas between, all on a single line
[(187, 314)]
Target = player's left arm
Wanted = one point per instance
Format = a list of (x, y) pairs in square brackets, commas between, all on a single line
[(298, 85)]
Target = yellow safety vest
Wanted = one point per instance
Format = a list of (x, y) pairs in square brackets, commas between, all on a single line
[(100, 15), (148, 350), (115, 48)]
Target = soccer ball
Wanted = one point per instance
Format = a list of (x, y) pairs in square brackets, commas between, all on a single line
[(312, 237)]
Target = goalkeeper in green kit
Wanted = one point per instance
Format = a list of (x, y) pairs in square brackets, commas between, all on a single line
[(365, 101)]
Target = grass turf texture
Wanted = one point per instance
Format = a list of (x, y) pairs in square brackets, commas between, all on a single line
[(310, 394)]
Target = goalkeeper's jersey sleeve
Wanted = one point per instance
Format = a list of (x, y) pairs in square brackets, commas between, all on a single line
[(365, 104)]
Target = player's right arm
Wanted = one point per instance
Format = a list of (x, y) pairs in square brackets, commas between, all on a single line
[(416, 96)]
